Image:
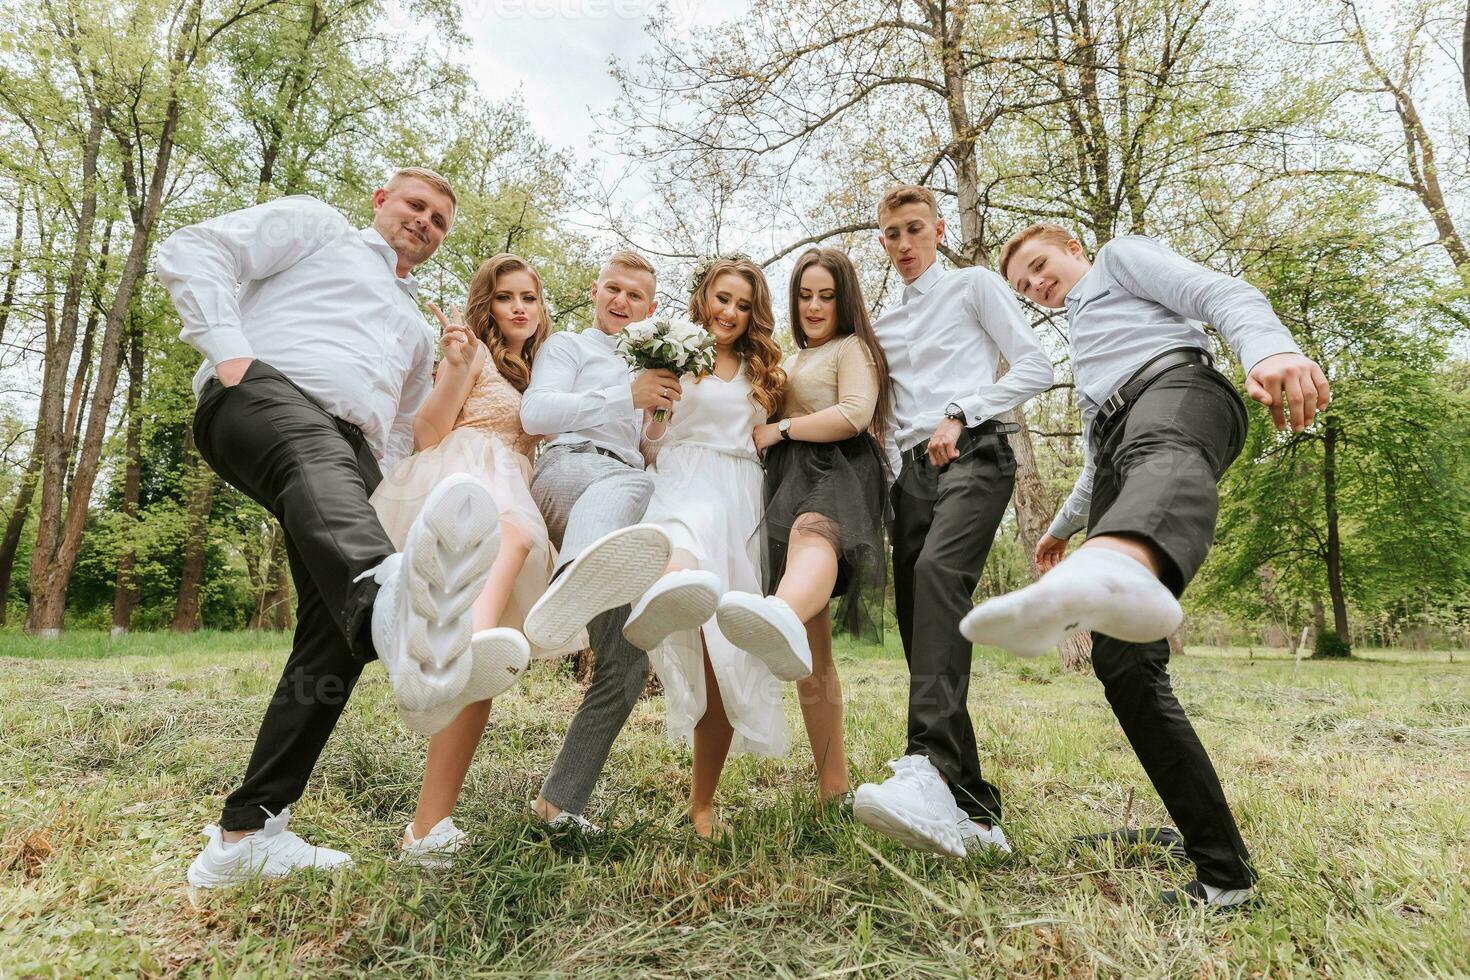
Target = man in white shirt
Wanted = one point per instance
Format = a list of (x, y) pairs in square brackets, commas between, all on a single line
[(591, 488), (315, 359), (1160, 427), (955, 474)]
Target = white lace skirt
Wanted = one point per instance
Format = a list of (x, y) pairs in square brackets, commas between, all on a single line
[(710, 503)]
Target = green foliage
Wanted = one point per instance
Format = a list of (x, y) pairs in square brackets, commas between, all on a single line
[(1328, 645)]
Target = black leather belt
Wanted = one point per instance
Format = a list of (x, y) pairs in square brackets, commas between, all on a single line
[(967, 439), (1147, 375)]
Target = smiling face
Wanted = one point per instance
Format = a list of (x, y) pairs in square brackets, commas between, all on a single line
[(1045, 271), (727, 308), (816, 304), (413, 218), (622, 295), (515, 306), (910, 234)]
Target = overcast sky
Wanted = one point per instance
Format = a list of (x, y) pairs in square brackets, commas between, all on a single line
[(557, 53)]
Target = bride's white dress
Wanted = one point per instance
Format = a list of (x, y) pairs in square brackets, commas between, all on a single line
[(708, 493)]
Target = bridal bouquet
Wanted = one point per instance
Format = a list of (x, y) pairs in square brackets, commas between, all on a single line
[(667, 343)]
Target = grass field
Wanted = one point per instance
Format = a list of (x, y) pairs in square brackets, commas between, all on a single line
[(1351, 781)]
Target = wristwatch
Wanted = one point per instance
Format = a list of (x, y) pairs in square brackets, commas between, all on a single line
[(784, 427), (953, 411)]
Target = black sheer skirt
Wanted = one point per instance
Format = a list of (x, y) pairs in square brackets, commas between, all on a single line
[(844, 483)]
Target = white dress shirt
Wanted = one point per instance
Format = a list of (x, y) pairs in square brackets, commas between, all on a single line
[(581, 390), (292, 283), (944, 341), (1139, 300)]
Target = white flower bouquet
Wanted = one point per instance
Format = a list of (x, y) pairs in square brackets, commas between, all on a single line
[(667, 343)]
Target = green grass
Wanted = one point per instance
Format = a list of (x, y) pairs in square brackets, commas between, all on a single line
[(1350, 780)]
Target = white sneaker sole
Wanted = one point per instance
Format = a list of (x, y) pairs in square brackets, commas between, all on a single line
[(200, 876), (930, 836), (682, 607), (614, 571), (498, 658), (446, 560), (750, 630)]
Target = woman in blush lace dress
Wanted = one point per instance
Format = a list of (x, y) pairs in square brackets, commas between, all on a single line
[(470, 423)]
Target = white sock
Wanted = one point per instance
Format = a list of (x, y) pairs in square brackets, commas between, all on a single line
[(1092, 589)]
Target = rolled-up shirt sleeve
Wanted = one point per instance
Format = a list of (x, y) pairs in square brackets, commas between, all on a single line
[(1237, 309), (1073, 514), (995, 307), (551, 405), (202, 266)]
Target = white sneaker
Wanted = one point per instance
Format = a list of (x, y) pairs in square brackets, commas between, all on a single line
[(421, 617), (271, 852), (682, 600), (437, 848), (612, 571), (913, 806), (498, 658), (569, 821), (766, 628), (978, 839)]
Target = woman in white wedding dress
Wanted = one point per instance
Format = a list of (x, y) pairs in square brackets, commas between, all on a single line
[(708, 492)]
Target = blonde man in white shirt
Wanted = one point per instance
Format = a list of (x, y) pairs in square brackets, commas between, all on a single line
[(591, 488), (944, 342), (316, 358), (1160, 427)]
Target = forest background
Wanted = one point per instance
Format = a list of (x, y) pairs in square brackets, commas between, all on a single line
[(1321, 150)]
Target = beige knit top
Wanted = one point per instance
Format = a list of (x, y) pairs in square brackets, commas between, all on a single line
[(841, 373)]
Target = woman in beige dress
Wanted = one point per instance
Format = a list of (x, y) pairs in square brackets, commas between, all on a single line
[(470, 423)]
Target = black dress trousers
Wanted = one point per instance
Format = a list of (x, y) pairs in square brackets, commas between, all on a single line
[(314, 473)]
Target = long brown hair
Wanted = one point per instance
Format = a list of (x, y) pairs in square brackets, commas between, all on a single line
[(852, 318), (514, 366), (758, 344)]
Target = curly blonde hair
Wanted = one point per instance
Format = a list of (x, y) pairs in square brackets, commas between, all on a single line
[(758, 344), (514, 366)]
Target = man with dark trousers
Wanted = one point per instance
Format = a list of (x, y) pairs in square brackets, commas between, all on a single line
[(316, 357), (1160, 427), (944, 341)]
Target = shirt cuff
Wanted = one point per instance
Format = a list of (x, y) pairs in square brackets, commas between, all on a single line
[(619, 397), (1256, 352), (225, 344), (972, 406), (1062, 528)]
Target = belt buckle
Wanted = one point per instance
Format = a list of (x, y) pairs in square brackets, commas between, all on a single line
[(1112, 404)]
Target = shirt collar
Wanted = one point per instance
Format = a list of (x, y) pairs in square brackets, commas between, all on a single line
[(379, 244), (925, 282), (600, 337), (1075, 293)]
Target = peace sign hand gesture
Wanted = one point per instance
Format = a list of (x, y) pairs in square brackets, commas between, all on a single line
[(459, 345)]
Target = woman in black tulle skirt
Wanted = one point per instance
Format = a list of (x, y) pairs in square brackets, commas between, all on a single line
[(826, 487)]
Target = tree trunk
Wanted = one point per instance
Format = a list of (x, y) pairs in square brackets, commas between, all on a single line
[(1032, 507), (125, 597), (201, 497), (1334, 542), (1465, 54), (13, 527), (44, 617), (17, 255), (1176, 642)]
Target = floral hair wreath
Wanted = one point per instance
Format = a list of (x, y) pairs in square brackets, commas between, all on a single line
[(696, 278)]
